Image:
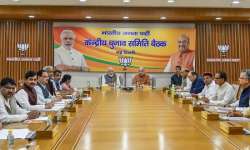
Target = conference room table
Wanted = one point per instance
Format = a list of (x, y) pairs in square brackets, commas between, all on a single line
[(139, 120)]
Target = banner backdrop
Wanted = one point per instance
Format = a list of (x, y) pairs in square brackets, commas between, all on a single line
[(102, 47)]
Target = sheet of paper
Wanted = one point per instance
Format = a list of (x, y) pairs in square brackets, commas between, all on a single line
[(87, 99), (18, 133), (42, 118), (55, 108), (239, 119)]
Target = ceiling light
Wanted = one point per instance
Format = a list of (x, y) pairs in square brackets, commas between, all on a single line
[(125, 17), (88, 17), (126, 1), (15, 0), (235, 1), (218, 18), (163, 17), (83, 0), (171, 1), (31, 16)]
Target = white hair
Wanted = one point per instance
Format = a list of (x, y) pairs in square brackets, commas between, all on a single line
[(67, 32), (46, 68)]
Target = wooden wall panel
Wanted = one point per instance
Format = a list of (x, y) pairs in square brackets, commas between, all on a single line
[(39, 36), (210, 35)]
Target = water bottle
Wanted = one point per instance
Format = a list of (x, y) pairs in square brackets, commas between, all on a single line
[(31, 145), (10, 139)]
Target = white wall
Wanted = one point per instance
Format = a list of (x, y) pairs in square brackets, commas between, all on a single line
[(80, 79)]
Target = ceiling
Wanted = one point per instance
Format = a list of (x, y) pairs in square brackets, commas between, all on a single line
[(133, 3)]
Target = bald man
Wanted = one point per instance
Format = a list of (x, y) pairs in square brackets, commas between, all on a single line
[(184, 57), (66, 57), (110, 78), (141, 78)]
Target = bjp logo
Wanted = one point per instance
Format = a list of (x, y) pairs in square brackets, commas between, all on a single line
[(223, 49), (22, 47), (125, 61)]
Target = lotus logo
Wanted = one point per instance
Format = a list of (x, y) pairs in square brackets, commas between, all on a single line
[(223, 49), (125, 61), (22, 47)]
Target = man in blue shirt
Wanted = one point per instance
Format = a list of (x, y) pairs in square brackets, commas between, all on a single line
[(176, 79), (197, 82)]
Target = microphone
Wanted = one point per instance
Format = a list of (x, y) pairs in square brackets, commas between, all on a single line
[(125, 61)]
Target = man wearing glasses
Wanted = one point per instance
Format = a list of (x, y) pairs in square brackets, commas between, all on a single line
[(184, 57), (42, 91), (244, 101)]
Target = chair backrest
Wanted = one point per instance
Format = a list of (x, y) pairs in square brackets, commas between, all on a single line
[(237, 91)]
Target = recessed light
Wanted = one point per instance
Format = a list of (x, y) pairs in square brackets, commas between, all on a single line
[(31, 16), (171, 1), (218, 18), (125, 17), (15, 0), (126, 1), (88, 17), (235, 1), (83, 0), (163, 17)]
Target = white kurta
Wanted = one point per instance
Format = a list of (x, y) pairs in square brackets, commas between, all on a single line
[(69, 57), (40, 98), (17, 114), (209, 91), (224, 95), (23, 99)]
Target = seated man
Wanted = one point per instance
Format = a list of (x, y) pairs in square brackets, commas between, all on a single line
[(209, 91), (50, 84), (197, 82), (9, 110), (42, 91), (244, 101), (141, 78), (186, 83), (110, 78), (176, 79), (57, 79), (224, 93), (27, 98)]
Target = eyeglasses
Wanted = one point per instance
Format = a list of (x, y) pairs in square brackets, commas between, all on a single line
[(217, 78)]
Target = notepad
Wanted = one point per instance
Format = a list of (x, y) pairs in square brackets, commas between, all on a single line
[(18, 133)]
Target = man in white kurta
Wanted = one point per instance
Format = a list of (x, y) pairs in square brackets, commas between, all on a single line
[(9, 110), (66, 57), (24, 98), (224, 93)]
